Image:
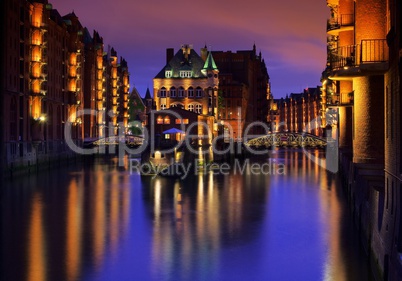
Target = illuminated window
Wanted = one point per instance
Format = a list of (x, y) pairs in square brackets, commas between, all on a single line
[(167, 120), (185, 73), (181, 92), (198, 108), (159, 120), (190, 92), (173, 92), (181, 121), (198, 92), (162, 93), (191, 107), (177, 104), (167, 136), (168, 73)]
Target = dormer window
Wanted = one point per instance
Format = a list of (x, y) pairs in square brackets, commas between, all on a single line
[(168, 73), (185, 73)]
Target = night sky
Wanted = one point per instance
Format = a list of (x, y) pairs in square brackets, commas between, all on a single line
[(291, 34)]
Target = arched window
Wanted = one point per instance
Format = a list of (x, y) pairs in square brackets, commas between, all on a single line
[(198, 92), (166, 120), (181, 92), (163, 106), (177, 104), (173, 92), (190, 92), (162, 92), (195, 107), (198, 108)]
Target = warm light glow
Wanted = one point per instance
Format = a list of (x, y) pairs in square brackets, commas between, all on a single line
[(98, 222), (114, 212), (73, 231), (36, 255)]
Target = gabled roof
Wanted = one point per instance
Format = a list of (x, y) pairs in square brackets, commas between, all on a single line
[(179, 62)]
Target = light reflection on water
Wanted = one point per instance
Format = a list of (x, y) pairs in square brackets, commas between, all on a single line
[(97, 221)]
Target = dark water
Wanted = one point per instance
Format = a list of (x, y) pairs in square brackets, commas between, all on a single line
[(99, 222)]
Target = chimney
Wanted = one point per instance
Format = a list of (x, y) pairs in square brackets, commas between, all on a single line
[(186, 50), (169, 54), (204, 53)]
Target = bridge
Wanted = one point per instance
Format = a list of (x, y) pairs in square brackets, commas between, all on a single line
[(129, 140), (287, 139)]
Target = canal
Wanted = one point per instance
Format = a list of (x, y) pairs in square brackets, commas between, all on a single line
[(99, 221)]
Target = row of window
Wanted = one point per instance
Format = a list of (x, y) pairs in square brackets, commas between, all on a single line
[(166, 120), (182, 73), (194, 107), (180, 92)]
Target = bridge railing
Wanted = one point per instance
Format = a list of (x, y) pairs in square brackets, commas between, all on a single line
[(287, 139)]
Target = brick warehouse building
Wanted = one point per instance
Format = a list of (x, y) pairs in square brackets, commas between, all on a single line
[(188, 81), (245, 87), (362, 84), (52, 69), (298, 112), (238, 86)]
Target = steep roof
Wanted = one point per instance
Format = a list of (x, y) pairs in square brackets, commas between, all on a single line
[(148, 95), (135, 96), (179, 62), (210, 63)]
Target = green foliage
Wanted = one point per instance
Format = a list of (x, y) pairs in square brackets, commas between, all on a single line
[(135, 111), (221, 99)]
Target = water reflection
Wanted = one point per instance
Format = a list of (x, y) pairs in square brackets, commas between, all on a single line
[(99, 222), (73, 230), (36, 253), (193, 219)]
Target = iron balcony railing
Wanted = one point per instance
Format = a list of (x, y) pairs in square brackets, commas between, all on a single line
[(342, 21), (342, 99), (368, 51)]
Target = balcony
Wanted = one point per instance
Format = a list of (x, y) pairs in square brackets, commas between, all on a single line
[(343, 23), (354, 60), (339, 100)]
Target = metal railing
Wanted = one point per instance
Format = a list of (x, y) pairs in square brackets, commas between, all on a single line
[(343, 20), (342, 99), (344, 56), (368, 51), (374, 50)]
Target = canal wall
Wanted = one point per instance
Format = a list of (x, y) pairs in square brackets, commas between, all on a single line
[(376, 215), (39, 158)]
